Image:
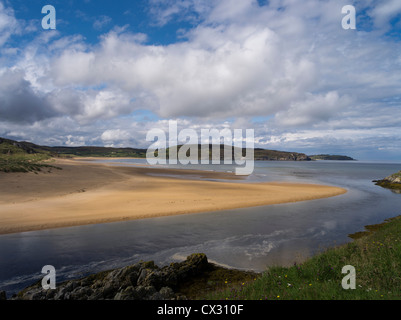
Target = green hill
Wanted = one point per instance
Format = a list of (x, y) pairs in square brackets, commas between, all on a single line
[(259, 154), (22, 156), (330, 157), (11, 146)]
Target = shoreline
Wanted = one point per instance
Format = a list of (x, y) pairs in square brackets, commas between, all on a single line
[(208, 279), (85, 193)]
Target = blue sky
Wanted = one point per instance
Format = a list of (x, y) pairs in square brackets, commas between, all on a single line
[(113, 70), (93, 18)]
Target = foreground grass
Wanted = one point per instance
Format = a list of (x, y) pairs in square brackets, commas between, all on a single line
[(376, 256)]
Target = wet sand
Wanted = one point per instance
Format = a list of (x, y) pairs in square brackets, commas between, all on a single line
[(88, 193)]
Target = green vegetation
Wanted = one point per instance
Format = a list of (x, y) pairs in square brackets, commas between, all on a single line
[(24, 163), (376, 256), (17, 158), (389, 185), (329, 157)]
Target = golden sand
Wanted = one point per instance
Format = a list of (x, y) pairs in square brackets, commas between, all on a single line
[(89, 193)]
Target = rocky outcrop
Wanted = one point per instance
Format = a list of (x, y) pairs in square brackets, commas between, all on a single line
[(392, 182), (141, 281), (394, 178)]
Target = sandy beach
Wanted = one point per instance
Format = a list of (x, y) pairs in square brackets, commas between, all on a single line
[(87, 193)]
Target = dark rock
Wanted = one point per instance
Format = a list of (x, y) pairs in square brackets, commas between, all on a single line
[(37, 296), (60, 294), (156, 296), (96, 295), (166, 293), (141, 281), (140, 292), (133, 277), (81, 293), (142, 276), (194, 264), (149, 291), (50, 294), (126, 294), (148, 265), (109, 290)]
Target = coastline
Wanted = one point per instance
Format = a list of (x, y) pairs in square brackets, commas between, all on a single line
[(89, 193)]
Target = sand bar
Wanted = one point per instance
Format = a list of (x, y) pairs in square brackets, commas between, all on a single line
[(88, 193)]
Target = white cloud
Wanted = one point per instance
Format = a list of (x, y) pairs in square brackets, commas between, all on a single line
[(104, 104), (73, 141), (8, 23), (314, 109), (73, 67), (115, 136), (220, 72)]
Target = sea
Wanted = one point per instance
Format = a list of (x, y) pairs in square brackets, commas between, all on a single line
[(247, 239)]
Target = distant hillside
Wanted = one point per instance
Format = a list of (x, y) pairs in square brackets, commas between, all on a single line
[(274, 155), (96, 152), (8, 146), (12, 146), (329, 157), (259, 154)]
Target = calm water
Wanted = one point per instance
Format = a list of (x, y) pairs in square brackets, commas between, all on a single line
[(250, 238)]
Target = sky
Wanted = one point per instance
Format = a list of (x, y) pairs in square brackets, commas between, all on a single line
[(113, 70)]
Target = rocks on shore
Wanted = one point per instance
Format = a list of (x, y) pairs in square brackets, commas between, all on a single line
[(394, 178), (392, 182), (141, 281)]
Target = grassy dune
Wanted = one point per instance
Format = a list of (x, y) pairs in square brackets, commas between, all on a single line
[(24, 163), (15, 159), (375, 254)]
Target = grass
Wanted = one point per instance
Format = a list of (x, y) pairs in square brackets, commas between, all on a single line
[(21, 162), (376, 256), (14, 158), (389, 185)]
